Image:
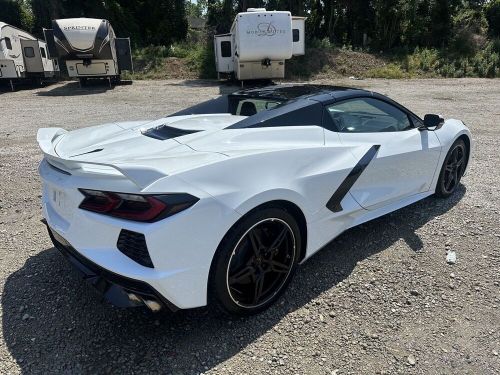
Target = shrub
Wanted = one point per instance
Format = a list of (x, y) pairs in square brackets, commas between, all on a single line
[(390, 71)]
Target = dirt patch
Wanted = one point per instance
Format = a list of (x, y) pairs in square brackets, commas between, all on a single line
[(326, 64)]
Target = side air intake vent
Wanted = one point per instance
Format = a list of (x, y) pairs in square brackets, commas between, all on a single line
[(133, 245)]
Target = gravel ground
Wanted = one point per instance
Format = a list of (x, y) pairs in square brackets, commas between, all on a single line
[(379, 299)]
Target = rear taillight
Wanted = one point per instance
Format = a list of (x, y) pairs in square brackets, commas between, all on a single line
[(135, 207)]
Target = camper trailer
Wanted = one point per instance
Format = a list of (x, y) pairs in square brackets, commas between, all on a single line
[(23, 56), (259, 43), (89, 48)]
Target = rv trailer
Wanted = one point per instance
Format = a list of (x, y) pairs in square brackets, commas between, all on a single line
[(23, 56), (89, 48), (259, 43)]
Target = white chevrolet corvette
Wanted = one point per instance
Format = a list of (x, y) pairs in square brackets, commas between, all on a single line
[(219, 203)]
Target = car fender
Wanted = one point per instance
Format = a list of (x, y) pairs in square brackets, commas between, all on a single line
[(450, 131)]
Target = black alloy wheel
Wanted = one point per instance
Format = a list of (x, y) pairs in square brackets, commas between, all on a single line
[(256, 261), (452, 170)]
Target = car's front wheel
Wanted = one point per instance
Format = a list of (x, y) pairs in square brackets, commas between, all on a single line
[(452, 170), (255, 261)]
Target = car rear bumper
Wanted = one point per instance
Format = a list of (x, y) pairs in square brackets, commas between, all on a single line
[(118, 290)]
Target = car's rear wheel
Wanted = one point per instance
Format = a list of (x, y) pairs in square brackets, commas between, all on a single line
[(452, 170), (255, 261)]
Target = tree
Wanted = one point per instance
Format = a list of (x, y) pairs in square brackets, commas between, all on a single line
[(16, 13), (196, 8), (493, 17)]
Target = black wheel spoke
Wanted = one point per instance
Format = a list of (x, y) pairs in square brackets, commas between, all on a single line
[(278, 267), (239, 276), (255, 242), (259, 288), (455, 176), (279, 240)]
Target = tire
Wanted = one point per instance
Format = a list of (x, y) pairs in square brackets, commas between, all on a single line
[(452, 170), (255, 262)]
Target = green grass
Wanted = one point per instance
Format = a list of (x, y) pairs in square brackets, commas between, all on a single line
[(429, 62), (198, 60), (389, 71)]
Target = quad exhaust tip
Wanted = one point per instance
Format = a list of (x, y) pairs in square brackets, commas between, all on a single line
[(154, 306)]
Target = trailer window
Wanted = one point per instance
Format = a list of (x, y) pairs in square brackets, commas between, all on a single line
[(296, 35), (29, 52), (42, 51), (8, 44), (225, 48)]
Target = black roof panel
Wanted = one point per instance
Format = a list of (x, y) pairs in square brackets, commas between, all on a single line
[(319, 93)]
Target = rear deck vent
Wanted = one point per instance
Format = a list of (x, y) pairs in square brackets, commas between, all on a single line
[(133, 245), (164, 132)]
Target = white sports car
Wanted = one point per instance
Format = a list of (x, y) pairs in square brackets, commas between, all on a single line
[(219, 203)]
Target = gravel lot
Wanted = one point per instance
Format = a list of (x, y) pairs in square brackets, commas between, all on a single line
[(379, 299)]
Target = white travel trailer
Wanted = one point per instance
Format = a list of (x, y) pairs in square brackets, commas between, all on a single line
[(89, 48), (259, 43), (23, 56)]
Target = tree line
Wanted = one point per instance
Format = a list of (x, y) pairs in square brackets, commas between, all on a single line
[(380, 25), (146, 22)]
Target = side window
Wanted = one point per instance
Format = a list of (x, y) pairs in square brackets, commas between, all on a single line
[(8, 44), (417, 123), (368, 115), (29, 52), (42, 51), (225, 48), (295, 35)]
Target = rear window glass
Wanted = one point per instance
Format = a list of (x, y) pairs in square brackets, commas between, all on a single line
[(42, 51), (296, 35), (232, 104), (251, 106)]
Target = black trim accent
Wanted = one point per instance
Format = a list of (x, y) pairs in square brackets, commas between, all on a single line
[(88, 152), (112, 286), (333, 203), (59, 169), (164, 132), (134, 246)]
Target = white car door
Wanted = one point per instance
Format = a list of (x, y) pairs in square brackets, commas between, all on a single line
[(401, 160)]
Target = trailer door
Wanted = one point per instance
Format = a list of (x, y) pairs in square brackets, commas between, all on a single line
[(224, 53), (299, 35), (124, 54), (32, 57)]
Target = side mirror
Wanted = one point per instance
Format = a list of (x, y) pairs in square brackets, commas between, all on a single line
[(433, 122)]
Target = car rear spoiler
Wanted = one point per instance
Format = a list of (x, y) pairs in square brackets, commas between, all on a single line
[(141, 175)]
